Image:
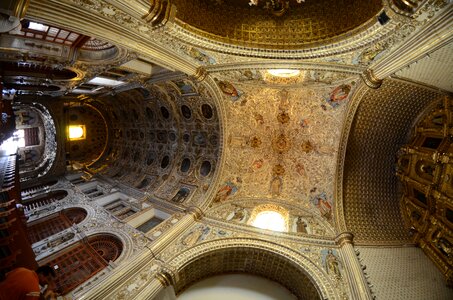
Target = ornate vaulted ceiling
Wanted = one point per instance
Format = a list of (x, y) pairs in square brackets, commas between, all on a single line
[(267, 140), (236, 22), (282, 137)]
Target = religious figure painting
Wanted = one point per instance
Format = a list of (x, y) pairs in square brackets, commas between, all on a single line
[(181, 195), (276, 185), (247, 75), (331, 262), (197, 234), (239, 214), (323, 204), (301, 225), (228, 189), (229, 89)]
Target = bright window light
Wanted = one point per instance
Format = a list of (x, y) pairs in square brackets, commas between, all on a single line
[(271, 220), (283, 72), (37, 26), (105, 81), (76, 132), (11, 145)]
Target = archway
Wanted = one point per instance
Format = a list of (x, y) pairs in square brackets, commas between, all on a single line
[(255, 257), (83, 260)]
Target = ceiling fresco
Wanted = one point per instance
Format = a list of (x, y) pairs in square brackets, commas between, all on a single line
[(282, 142)]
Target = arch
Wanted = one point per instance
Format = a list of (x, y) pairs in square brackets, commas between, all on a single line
[(93, 254), (48, 151), (252, 256), (54, 223), (357, 173)]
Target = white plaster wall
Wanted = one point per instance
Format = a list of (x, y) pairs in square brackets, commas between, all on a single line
[(237, 287), (404, 273)]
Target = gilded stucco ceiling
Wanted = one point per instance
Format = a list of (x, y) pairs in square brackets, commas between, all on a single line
[(282, 140), (235, 22), (381, 126), (281, 136)]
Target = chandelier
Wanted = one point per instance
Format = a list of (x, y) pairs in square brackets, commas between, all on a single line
[(276, 7)]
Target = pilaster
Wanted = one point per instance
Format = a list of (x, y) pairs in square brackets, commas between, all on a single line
[(358, 284), (192, 215), (164, 278)]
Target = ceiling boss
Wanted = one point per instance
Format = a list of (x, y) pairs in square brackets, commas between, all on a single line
[(276, 7)]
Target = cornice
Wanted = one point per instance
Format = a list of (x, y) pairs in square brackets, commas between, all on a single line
[(285, 64)]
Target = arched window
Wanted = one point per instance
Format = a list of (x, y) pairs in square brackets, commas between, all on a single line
[(271, 220), (80, 262), (55, 223)]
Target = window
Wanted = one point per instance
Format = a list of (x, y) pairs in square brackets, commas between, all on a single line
[(150, 224), (285, 73), (76, 132), (270, 220)]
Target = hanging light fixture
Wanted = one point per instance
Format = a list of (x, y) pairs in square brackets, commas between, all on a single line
[(276, 7)]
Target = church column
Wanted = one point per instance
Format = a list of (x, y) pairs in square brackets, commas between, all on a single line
[(192, 215), (127, 271), (165, 278), (437, 33), (160, 287), (119, 276), (358, 284)]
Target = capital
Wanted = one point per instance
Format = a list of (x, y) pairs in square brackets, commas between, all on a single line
[(344, 238), (370, 79), (196, 212)]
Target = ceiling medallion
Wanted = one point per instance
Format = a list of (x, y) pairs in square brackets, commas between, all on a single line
[(307, 147), (281, 143), (278, 170), (276, 7), (283, 117), (255, 142)]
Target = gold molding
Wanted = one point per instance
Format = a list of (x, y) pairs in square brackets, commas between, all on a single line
[(200, 74), (196, 212), (370, 79), (160, 12), (19, 8), (166, 277), (344, 238)]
